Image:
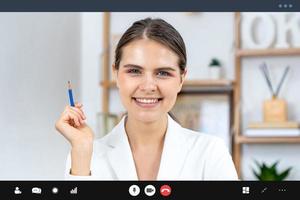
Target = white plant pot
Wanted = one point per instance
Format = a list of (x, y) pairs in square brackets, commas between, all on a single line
[(215, 72)]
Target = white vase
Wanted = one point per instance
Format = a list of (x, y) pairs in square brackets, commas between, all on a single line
[(215, 72)]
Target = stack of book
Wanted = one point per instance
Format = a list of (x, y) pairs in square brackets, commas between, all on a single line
[(273, 129)]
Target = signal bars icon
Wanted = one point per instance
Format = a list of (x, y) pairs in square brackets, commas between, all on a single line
[(73, 191)]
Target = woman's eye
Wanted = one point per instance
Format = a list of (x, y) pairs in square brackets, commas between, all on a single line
[(134, 71), (163, 73)]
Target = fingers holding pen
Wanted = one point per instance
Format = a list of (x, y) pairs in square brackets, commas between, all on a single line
[(78, 115), (74, 119), (74, 116), (79, 110), (79, 105)]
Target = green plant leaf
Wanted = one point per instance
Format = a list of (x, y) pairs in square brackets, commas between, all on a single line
[(273, 167), (256, 174), (284, 174), (269, 173), (257, 163)]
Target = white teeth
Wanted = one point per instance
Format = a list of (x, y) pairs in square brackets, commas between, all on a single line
[(149, 101)]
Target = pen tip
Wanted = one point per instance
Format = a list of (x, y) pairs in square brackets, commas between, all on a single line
[(69, 84)]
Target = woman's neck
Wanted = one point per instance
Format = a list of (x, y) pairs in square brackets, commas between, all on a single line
[(146, 135)]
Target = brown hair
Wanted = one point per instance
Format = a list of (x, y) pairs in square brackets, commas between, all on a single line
[(157, 30)]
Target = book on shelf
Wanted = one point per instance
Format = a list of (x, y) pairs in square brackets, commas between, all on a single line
[(274, 125), (273, 129)]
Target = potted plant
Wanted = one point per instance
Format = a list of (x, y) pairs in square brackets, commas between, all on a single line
[(215, 68), (270, 173)]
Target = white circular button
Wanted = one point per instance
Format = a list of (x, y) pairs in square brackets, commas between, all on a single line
[(55, 190), (134, 190), (149, 190)]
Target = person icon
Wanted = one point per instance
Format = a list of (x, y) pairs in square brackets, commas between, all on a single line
[(18, 191)]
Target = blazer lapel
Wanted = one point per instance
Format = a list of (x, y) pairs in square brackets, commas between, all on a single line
[(174, 152), (120, 156)]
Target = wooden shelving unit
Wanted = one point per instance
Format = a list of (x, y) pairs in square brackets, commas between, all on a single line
[(267, 52), (105, 61), (267, 140), (239, 138)]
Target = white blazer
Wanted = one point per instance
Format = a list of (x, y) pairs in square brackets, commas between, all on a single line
[(186, 155)]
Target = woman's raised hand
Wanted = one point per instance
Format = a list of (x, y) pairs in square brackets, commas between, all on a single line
[(72, 126)]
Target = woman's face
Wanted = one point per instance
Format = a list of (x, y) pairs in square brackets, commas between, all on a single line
[(148, 79)]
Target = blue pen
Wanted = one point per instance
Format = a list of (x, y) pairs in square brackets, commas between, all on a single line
[(70, 94)]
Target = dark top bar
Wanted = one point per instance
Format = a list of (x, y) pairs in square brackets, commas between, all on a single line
[(148, 5)]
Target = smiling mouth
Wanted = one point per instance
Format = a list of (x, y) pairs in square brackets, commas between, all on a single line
[(147, 100)]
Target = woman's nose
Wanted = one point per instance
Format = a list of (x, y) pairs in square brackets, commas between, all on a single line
[(148, 84)]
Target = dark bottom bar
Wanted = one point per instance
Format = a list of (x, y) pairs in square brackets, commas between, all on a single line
[(148, 189)]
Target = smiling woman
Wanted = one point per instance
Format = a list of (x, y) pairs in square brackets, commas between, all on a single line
[(148, 78), (147, 144)]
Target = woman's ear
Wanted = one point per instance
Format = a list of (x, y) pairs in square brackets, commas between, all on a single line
[(182, 78), (115, 74)]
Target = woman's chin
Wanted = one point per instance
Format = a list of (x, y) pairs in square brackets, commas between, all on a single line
[(148, 117)]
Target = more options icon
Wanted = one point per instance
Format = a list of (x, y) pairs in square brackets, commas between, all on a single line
[(134, 190), (150, 190)]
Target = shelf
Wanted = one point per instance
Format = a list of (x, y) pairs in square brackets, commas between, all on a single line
[(207, 83), (187, 83), (208, 86), (267, 140), (267, 52)]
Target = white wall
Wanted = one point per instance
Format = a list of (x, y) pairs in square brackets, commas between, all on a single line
[(91, 43), (39, 53)]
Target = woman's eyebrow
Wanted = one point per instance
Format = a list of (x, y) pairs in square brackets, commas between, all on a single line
[(132, 65), (166, 69), (156, 69)]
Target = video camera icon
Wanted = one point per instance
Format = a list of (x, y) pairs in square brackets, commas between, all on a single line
[(150, 190)]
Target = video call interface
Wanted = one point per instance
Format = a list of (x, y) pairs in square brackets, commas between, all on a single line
[(149, 100)]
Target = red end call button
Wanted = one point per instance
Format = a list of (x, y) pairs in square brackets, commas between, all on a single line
[(165, 190)]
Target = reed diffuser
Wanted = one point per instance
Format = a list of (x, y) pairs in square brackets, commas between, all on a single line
[(274, 109)]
